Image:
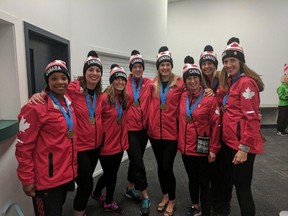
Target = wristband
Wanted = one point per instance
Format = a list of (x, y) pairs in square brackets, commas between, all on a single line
[(244, 148)]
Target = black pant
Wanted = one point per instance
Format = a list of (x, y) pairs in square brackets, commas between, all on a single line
[(110, 165), (49, 202), (220, 200), (136, 170), (165, 152), (197, 168), (87, 161), (241, 176), (282, 120)]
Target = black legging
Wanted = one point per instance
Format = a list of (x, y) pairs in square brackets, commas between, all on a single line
[(110, 165), (136, 170), (197, 168), (220, 200), (87, 161), (49, 202), (241, 176), (282, 119), (165, 152)]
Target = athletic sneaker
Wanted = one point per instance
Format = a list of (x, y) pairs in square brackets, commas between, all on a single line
[(100, 199), (133, 194), (281, 133), (145, 207), (283, 213), (192, 211), (113, 207)]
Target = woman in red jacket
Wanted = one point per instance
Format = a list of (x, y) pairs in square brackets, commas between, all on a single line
[(198, 140), (220, 203), (163, 126), (241, 123), (138, 88), (115, 141), (46, 145), (85, 93)]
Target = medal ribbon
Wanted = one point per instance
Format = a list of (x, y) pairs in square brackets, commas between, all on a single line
[(119, 109), (190, 109), (91, 108), (136, 91), (233, 80), (214, 84), (163, 95), (68, 119)]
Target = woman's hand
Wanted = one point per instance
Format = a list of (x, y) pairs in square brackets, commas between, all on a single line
[(211, 157), (240, 157), (37, 98), (29, 190), (209, 92)]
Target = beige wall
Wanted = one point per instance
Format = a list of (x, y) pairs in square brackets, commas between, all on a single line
[(260, 25), (109, 26)]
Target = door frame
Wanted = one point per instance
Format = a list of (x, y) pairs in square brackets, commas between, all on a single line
[(30, 31)]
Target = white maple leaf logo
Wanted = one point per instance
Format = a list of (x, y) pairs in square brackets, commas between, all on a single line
[(23, 124), (248, 94), (217, 111)]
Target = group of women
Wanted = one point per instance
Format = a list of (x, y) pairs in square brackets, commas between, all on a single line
[(209, 117)]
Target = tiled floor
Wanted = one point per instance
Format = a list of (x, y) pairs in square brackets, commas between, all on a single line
[(270, 183)]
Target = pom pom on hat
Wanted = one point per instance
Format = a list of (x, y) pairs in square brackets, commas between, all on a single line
[(164, 55), (92, 60), (136, 58), (208, 55), (56, 65), (117, 71), (190, 69), (233, 49)]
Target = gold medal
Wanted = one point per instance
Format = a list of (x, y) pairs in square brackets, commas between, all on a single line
[(163, 106), (70, 134), (188, 118), (91, 120), (135, 103), (223, 108), (119, 121)]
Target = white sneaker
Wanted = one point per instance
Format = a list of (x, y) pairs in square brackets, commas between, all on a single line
[(283, 213), (281, 133)]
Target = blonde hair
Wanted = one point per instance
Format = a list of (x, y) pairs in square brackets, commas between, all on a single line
[(123, 97), (284, 79), (243, 69), (157, 83)]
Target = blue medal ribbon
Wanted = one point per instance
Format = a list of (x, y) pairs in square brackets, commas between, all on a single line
[(136, 91), (233, 80), (190, 109), (91, 108), (68, 118), (225, 99), (215, 84), (163, 95), (119, 109)]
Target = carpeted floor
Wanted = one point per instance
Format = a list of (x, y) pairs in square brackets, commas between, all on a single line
[(270, 183)]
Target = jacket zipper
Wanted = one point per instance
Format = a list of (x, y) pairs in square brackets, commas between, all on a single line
[(238, 132), (50, 162)]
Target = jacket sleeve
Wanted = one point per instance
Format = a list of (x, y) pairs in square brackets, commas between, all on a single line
[(282, 93), (214, 118), (29, 126), (249, 103)]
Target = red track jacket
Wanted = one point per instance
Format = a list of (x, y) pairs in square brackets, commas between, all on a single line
[(46, 156)]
